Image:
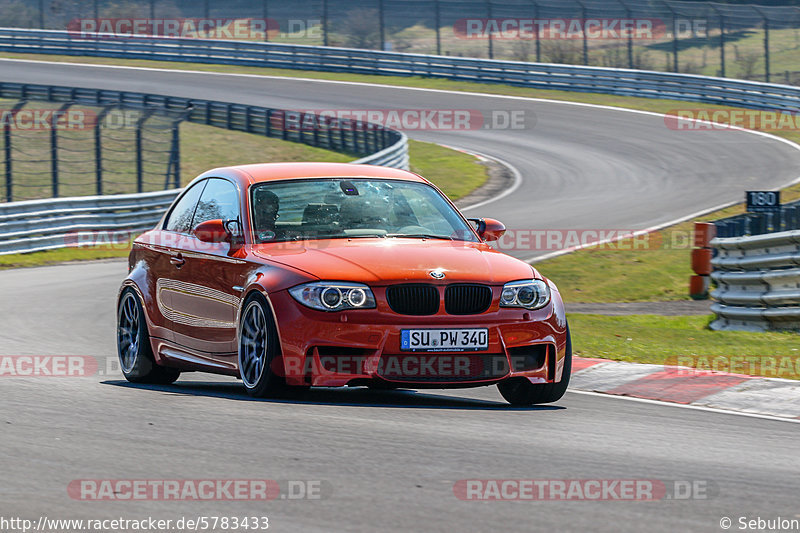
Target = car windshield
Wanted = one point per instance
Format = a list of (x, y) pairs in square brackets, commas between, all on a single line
[(331, 208)]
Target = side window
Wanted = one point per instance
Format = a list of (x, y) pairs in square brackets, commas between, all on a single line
[(219, 200), (180, 219)]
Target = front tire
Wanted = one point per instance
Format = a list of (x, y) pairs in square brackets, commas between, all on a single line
[(520, 391), (258, 346), (133, 344)]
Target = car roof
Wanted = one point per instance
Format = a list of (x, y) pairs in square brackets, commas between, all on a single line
[(262, 172)]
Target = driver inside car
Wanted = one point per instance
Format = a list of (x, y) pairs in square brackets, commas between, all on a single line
[(265, 209)]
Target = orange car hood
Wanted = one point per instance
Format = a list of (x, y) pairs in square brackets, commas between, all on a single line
[(377, 261)]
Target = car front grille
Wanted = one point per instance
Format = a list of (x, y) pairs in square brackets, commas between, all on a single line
[(467, 299), (413, 299)]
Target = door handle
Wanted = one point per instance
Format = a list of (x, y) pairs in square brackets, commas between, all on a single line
[(177, 260)]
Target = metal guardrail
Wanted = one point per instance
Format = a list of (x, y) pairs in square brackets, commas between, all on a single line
[(758, 282), (785, 219), (38, 225), (625, 82)]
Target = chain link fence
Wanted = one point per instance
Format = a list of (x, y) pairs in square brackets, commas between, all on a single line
[(734, 40), (58, 149)]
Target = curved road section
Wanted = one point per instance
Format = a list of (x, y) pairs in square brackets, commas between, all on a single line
[(400, 461)]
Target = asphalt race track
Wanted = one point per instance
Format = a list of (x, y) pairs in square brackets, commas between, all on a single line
[(389, 460)]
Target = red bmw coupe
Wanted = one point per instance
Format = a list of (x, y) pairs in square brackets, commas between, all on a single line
[(316, 274)]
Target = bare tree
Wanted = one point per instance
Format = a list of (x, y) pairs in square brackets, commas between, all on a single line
[(15, 14), (360, 29)]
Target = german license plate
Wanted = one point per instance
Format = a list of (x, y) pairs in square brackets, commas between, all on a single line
[(444, 340)]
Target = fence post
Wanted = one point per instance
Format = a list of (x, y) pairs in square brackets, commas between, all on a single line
[(7, 147), (630, 33), (437, 22), (95, 10), (174, 166), (537, 29), (98, 149), (324, 22), (721, 39), (41, 18), (9, 156), (54, 147), (265, 16), (674, 37), (488, 25), (139, 162), (381, 27), (152, 9), (765, 22), (205, 9)]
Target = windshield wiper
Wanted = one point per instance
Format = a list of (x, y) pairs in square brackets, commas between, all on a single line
[(420, 236)]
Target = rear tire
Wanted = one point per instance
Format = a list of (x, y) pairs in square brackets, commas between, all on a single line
[(133, 344), (520, 391), (258, 347)]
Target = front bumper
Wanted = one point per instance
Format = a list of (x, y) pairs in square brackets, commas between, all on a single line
[(358, 347)]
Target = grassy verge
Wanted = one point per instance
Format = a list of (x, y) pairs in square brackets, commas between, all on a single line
[(205, 147), (645, 104), (661, 340), (591, 275)]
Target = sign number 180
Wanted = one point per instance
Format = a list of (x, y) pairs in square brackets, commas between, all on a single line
[(763, 201)]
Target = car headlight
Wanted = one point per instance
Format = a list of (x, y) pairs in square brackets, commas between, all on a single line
[(530, 294), (332, 296)]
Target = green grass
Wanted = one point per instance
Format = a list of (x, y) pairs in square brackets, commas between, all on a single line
[(206, 147), (662, 339), (456, 173), (591, 275)]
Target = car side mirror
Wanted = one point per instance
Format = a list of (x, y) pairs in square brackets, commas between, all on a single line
[(489, 229), (212, 231)]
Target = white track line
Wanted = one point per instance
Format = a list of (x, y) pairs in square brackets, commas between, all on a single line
[(514, 186), (518, 176), (687, 406)]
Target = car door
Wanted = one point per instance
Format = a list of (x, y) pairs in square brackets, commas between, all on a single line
[(206, 289), (163, 259)]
